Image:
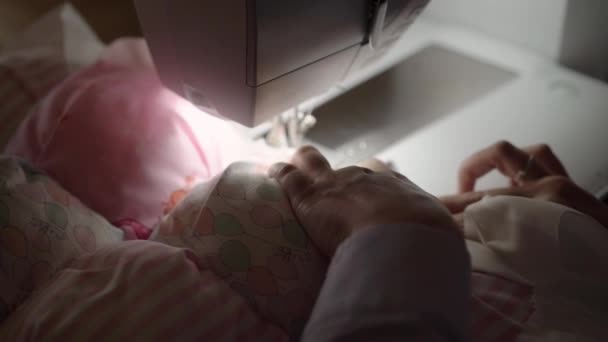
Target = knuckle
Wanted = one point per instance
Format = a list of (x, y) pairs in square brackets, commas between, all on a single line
[(544, 150), (347, 170), (284, 171), (503, 147), (400, 176), (294, 179), (366, 170), (315, 162), (296, 187), (307, 149), (356, 171)]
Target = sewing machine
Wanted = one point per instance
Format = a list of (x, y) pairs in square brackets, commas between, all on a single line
[(250, 61), (466, 74)]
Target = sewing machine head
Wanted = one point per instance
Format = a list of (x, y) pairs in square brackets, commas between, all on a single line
[(251, 60)]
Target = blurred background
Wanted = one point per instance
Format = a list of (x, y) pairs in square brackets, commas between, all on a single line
[(573, 32), (110, 18)]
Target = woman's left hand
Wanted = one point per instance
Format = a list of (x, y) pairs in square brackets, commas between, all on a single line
[(535, 172)]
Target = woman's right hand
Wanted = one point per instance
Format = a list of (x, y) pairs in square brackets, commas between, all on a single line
[(535, 172), (334, 204)]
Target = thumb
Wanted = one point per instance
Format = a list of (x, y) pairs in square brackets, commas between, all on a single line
[(456, 204)]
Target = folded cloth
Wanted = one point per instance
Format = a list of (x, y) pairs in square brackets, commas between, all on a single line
[(242, 227), (137, 291), (42, 229), (125, 145), (558, 252)]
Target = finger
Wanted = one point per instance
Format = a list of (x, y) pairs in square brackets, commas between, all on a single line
[(293, 181), (376, 166), (379, 166), (279, 170), (564, 191), (457, 204), (459, 219), (352, 171), (547, 159), (400, 176), (503, 156), (311, 162)]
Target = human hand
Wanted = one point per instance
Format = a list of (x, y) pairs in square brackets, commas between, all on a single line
[(535, 172), (334, 204)]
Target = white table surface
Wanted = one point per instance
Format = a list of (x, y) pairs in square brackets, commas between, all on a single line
[(544, 103)]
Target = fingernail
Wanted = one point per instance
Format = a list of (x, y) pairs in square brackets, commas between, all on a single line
[(276, 169)]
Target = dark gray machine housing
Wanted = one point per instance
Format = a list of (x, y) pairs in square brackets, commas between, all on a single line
[(250, 60)]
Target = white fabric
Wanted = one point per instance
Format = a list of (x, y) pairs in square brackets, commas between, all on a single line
[(560, 251)]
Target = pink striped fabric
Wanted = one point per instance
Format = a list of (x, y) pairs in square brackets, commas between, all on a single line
[(137, 291), (146, 291), (500, 308)]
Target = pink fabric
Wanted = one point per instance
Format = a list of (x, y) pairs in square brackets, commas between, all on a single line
[(120, 289), (137, 291), (119, 141), (500, 308), (42, 228), (125, 145), (242, 227)]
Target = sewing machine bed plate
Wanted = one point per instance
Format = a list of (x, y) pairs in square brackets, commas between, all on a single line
[(455, 92)]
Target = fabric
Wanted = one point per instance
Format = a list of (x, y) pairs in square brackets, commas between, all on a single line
[(137, 291), (42, 229), (134, 150), (126, 146), (228, 209), (213, 218), (558, 251), (500, 308), (38, 59), (424, 294), (242, 227)]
